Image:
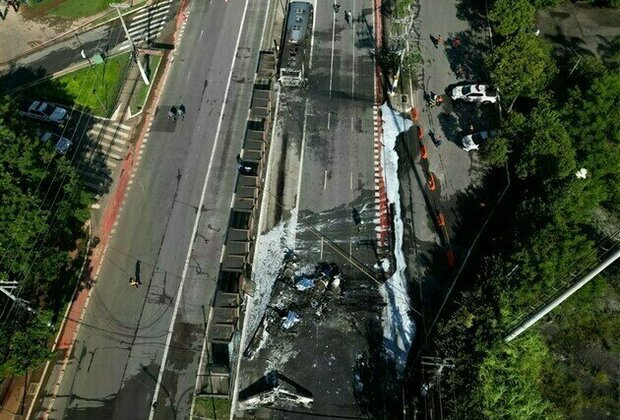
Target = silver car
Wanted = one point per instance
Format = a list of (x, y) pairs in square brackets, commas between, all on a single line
[(46, 112), (473, 141), (475, 93)]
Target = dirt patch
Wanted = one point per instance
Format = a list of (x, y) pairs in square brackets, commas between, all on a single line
[(39, 11)]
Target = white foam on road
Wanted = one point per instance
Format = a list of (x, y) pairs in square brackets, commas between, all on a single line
[(398, 328), (270, 250)]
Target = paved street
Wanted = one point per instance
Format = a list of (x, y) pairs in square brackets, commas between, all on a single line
[(325, 176), (169, 234)]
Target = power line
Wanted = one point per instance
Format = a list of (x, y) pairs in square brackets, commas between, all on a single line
[(60, 186)]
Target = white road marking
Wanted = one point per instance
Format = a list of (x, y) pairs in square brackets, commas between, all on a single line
[(312, 37), (351, 181), (162, 367), (325, 180), (329, 119), (353, 53), (301, 166), (201, 34), (321, 249), (331, 66)]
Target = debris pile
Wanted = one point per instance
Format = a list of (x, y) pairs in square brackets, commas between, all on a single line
[(297, 297)]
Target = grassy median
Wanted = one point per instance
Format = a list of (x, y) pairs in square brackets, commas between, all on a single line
[(68, 9), (212, 408), (92, 89)]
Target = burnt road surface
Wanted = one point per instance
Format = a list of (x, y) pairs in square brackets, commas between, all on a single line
[(326, 132), (169, 234)]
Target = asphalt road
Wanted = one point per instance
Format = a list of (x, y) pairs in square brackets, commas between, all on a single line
[(187, 170), (326, 172)]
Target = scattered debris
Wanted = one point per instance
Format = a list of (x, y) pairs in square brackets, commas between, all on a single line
[(291, 319)]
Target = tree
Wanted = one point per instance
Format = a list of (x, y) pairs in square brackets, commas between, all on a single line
[(594, 121), (42, 211), (546, 151), (522, 66), (510, 16), (510, 380)]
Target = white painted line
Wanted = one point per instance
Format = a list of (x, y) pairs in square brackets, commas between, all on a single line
[(331, 65), (329, 119), (353, 53), (301, 166), (312, 37), (351, 181), (124, 46), (152, 10), (177, 302), (136, 32), (154, 17), (325, 180), (352, 122), (321, 258)]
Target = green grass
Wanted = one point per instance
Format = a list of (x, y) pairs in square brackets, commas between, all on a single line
[(93, 89), (71, 9), (212, 408), (139, 98)]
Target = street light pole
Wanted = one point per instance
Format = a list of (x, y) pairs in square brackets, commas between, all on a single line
[(118, 7)]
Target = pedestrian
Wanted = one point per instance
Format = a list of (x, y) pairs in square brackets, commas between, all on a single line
[(456, 42), (347, 16), (438, 41), (336, 7), (438, 140), (172, 114), (133, 282), (459, 71)]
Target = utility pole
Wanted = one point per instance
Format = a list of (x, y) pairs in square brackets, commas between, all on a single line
[(556, 302), (6, 287), (134, 52)]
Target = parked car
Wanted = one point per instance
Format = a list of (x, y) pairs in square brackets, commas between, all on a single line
[(475, 93), (46, 112), (62, 143), (473, 141)]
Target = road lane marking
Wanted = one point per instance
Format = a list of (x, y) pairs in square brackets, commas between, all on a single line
[(353, 52), (321, 258), (325, 180), (312, 36), (329, 119), (331, 66), (351, 181), (177, 302)]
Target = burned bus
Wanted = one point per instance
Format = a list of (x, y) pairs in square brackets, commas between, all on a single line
[(295, 48)]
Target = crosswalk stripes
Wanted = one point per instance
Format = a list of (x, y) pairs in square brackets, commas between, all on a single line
[(148, 24), (106, 148)]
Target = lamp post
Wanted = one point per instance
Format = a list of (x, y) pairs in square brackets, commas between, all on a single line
[(134, 52)]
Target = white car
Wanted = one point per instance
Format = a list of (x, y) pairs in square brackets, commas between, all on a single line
[(62, 143), (46, 112), (473, 141), (475, 93)]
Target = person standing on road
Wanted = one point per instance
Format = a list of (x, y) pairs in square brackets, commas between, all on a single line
[(347, 17), (438, 41), (133, 282)]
